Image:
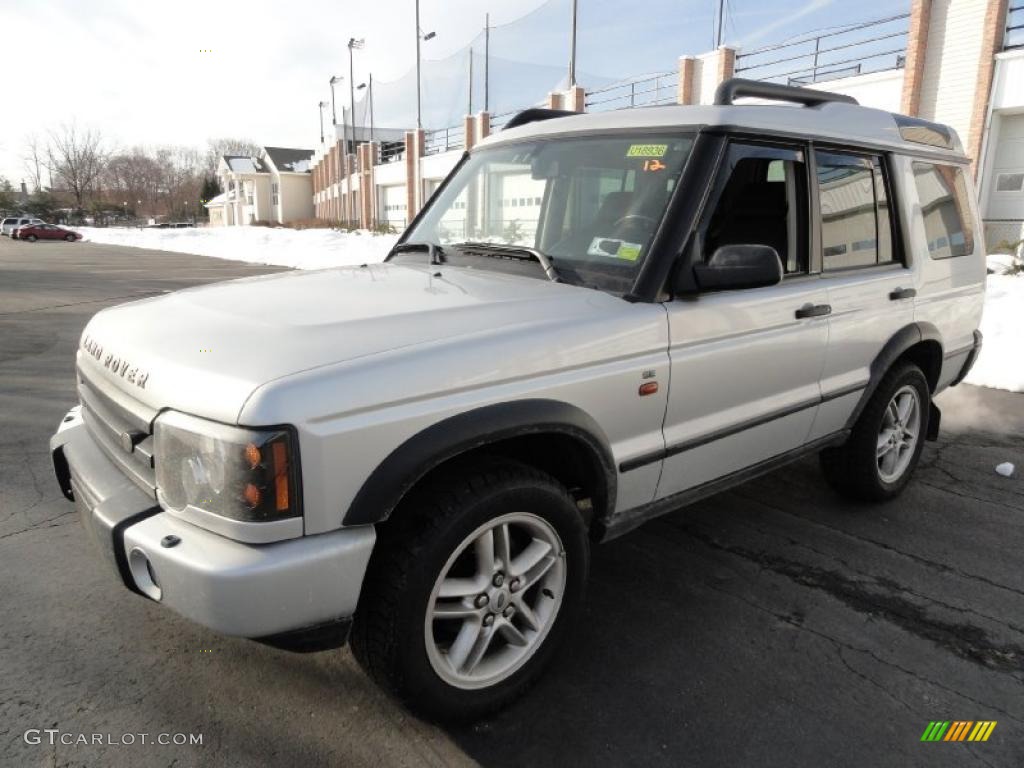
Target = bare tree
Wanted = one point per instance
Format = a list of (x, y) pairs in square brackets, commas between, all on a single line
[(34, 160), (229, 146), (77, 158)]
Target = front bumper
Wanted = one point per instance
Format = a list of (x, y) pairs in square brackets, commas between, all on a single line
[(232, 588)]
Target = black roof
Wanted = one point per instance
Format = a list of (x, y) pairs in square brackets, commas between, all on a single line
[(285, 159)]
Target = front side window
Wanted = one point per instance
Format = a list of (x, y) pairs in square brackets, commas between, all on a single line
[(942, 192), (591, 205), (856, 225), (763, 201)]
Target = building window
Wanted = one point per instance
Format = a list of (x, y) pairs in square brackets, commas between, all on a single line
[(942, 192), (856, 228), (1009, 182), (273, 193)]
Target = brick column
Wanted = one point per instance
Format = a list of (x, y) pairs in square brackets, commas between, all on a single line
[(414, 145), (726, 63), (917, 47), (370, 181), (555, 100), (469, 131), (576, 99), (351, 212), (483, 120), (687, 66), (991, 43)]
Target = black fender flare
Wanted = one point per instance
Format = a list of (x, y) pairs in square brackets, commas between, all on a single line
[(412, 460), (905, 338)]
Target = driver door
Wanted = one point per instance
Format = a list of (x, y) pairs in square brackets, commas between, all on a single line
[(745, 363)]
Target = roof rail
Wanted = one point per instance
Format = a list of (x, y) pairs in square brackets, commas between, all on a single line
[(533, 114), (737, 87)]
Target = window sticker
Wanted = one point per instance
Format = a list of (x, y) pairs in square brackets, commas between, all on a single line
[(647, 150), (614, 248)]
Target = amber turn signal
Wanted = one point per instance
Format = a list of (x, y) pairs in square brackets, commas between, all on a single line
[(648, 389), (252, 495), (252, 455)]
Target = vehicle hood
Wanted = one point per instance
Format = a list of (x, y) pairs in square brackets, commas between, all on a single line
[(204, 350)]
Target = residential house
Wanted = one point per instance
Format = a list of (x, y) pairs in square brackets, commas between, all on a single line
[(274, 186)]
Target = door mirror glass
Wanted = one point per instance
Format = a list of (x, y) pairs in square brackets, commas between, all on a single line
[(739, 266)]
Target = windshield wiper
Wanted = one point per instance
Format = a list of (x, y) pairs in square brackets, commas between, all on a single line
[(513, 251), (434, 252)]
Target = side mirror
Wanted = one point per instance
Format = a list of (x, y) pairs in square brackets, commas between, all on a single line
[(739, 266)]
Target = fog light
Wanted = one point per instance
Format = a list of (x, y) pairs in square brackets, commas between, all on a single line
[(143, 574)]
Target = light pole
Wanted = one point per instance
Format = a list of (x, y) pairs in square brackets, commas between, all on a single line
[(334, 115), (487, 56), (322, 104), (572, 48), (420, 36), (353, 44), (369, 102)]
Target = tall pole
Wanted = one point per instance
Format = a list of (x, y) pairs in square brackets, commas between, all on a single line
[(321, 105), (352, 92), (369, 95), (470, 110), (487, 62), (419, 106), (572, 47), (718, 34), (334, 114)]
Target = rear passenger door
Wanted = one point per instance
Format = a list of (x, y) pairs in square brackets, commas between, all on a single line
[(870, 290), (745, 363)]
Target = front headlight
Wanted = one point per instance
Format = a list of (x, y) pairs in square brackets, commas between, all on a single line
[(242, 474)]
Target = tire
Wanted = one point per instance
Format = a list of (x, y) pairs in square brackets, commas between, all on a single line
[(31, 238), (858, 469), (70, 238), (435, 534)]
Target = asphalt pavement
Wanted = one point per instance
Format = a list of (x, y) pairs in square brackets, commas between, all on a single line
[(772, 625)]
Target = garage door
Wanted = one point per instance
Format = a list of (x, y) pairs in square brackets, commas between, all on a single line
[(1006, 182), (392, 205)]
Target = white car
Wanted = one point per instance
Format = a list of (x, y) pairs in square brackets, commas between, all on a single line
[(11, 223), (597, 319)]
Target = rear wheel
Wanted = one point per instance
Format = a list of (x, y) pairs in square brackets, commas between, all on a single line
[(471, 589), (877, 461), (31, 238)]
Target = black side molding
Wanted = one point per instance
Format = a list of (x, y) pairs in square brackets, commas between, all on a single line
[(738, 87), (408, 463), (969, 362)]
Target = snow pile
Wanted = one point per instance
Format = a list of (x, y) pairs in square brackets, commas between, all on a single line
[(303, 249), (1001, 363)]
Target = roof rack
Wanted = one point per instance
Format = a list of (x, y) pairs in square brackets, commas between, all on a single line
[(534, 114), (737, 87)]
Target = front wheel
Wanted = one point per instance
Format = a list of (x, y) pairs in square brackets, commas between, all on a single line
[(70, 238), (878, 459), (471, 589), (31, 238)]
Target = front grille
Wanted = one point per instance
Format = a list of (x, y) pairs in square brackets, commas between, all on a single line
[(123, 429)]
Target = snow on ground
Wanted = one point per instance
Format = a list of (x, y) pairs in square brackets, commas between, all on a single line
[(303, 249), (1001, 364)]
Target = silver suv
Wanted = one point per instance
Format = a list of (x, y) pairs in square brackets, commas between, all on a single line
[(597, 319)]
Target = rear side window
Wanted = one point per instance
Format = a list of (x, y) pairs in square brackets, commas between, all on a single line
[(942, 191), (856, 225)]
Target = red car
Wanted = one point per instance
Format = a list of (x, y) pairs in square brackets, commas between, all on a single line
[(33, 232)]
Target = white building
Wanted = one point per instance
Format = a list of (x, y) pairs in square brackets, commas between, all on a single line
[(274, 186)]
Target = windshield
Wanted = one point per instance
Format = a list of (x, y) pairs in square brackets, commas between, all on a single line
[(590, 204)]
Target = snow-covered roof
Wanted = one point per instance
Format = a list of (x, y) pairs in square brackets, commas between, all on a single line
[(286, 159), (217, 200), (244, 164)]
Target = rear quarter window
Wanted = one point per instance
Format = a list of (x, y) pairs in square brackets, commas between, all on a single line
[(942, 191)]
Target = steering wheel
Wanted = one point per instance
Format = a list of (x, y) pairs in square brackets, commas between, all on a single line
[(635, 219)]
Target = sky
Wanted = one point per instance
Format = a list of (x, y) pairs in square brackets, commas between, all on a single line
[(145, 73)]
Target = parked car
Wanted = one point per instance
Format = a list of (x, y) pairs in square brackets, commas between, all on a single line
[(596, 319), (13, 222), (33, 232)]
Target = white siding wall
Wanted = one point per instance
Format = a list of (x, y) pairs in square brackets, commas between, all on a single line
[(881, 90), (295, 197)]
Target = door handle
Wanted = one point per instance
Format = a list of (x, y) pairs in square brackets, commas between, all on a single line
[(902, 293), (814, 310)]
